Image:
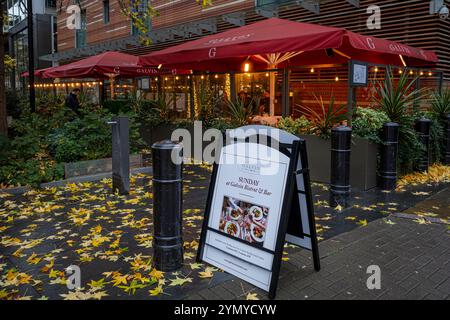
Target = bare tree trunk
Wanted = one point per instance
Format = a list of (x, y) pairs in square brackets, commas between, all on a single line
[(3, 115)]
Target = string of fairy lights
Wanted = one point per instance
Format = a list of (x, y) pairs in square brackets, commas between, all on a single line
[(312, 70), (90, 84)]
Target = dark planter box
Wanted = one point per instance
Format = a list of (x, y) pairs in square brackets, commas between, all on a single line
[(164, 131), (158, 133), (363, 163), (90, 167), (363, 167)]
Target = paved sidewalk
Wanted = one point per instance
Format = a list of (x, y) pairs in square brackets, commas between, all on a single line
[(414, 260), (109, 237)]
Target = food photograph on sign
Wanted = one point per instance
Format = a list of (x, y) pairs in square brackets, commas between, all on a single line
[(244, 220)]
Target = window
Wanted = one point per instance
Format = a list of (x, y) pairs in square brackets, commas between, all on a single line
[(105, 11), (50, 3), (55, 35), (81, 35)]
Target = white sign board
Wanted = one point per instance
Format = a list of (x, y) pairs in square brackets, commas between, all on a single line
[(259, 197), (247, 206)]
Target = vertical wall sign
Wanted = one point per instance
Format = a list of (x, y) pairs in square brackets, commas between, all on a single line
[(256, 191)]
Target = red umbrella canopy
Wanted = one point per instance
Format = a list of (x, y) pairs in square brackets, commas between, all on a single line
[(103, 66), (279, 42), (39, 73)]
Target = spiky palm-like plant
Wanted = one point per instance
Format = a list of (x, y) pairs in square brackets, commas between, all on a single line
[(397, 100), (240, 112), (440, 103), (323, 121)]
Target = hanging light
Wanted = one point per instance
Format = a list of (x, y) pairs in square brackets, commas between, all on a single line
[(246, 67), (267, 74), (216, 76), (159, 66), (376, 69), (312, 70), (336, 79), (176, 78), (202, 77), (411, 72), (421, 73), (400, 71), (430, 73)]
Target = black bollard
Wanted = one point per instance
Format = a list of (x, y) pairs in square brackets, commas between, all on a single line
[(167, 206), (341, 138), (387, 179), (447, 140), (120, 154), (422, 127)]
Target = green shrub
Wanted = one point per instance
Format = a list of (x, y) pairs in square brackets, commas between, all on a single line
[(367, 123), (437, 141), (89, 137), (410, 148), (13, 103), (4, 148), (221, 124), (84, 138), (117, 106), (295, 126), (40, 142), (154, 112), (31, 172), (440, 108)]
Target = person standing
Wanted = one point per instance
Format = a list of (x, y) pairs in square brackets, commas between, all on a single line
[(264, 104), (72, 100)]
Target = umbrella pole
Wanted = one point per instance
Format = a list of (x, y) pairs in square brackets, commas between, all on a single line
[(272, 89), (111, 86)]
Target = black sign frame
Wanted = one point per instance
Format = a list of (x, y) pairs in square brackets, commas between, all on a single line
[(351, 79), (296, 151)]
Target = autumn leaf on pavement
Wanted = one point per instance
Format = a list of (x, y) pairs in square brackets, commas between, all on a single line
[(33, 259), (179, 281), (195, 265), (362, 223), (422, 221), (97, 284), (208, 273), (158, 290), (156, 274), (421, 193), (119, 279), (252, 296), (99, 295), (48, 266), (387, 221)]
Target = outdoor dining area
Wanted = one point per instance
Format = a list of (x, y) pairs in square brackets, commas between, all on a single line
[(274, 65)]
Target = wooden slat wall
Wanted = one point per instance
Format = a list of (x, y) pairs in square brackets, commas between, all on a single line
[(182, 11), (404, 21), (118, 26)]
